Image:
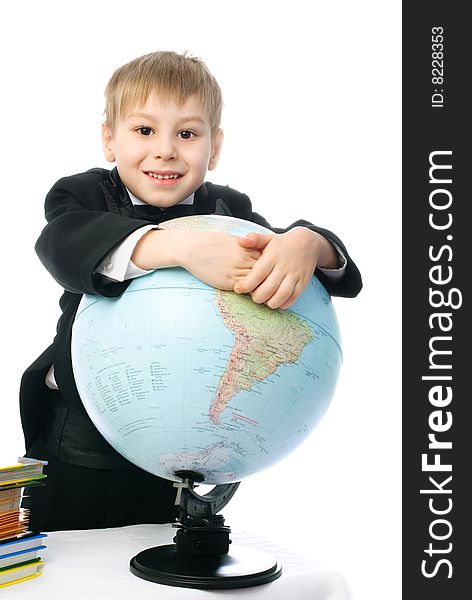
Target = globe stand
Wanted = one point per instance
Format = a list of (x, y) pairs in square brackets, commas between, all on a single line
[(200, 557)]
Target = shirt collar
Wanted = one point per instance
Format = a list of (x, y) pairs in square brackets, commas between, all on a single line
[(138, 201)]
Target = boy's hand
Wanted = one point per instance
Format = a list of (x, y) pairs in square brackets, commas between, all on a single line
[(217, 258), (286, 266), (214, 257)]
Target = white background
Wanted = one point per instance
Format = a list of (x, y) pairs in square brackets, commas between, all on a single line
[(312, 130)]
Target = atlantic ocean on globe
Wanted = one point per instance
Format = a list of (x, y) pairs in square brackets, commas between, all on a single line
[(177, 375)]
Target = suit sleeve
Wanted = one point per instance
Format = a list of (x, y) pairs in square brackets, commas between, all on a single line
[(347, 286), (80, 232)]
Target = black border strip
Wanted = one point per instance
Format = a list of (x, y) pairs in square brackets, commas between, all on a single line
[(437, 333)]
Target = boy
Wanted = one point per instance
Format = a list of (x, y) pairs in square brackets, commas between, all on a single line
[(162, 130)]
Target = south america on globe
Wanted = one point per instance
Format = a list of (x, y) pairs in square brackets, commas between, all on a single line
[(177, 375)]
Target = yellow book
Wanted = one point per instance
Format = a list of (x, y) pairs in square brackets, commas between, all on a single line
[(29, 570), (24, 470), (2, 585)]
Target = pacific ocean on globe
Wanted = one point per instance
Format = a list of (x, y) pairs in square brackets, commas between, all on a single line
[(177, 375)]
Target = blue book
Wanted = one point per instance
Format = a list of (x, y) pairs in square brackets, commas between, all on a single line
[(24, 541), (17, 558)]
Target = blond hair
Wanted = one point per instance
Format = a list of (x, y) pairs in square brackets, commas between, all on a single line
[(168, 75)]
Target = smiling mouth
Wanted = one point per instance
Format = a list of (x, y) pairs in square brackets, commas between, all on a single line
[(163, 176)]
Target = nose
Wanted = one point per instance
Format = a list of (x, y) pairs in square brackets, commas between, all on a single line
[(164, 148)]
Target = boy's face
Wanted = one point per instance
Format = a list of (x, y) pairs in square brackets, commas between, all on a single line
[(163, 149)]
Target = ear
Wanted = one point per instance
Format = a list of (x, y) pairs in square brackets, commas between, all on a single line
[(215, 150), (108, 142)]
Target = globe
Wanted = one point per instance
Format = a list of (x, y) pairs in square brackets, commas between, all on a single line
[(177, 375)]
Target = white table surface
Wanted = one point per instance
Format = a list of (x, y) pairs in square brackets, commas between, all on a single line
[(94, 564)]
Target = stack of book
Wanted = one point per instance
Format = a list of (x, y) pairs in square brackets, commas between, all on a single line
[(19, 547)]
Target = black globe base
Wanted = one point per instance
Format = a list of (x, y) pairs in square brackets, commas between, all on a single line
[(241, 567)]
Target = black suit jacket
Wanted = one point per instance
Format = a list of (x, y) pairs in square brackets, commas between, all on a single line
[(87, 216)]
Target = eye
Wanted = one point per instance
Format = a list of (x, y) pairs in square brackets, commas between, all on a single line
[(186, 134), (144, 130)]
